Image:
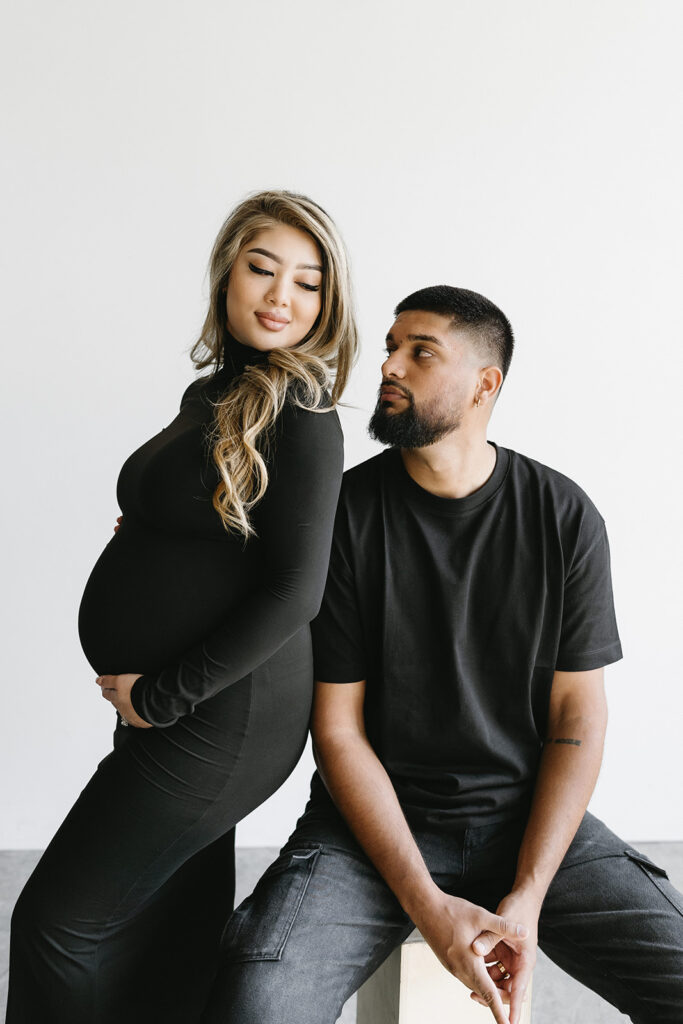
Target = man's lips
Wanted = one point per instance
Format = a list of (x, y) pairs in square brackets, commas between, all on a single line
[(388, 393), (272, 321)]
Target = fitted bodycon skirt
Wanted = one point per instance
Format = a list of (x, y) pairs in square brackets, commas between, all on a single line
[(121, 918)]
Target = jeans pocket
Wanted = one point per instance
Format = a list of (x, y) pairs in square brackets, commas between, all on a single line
[(259, 928), (658, 877)]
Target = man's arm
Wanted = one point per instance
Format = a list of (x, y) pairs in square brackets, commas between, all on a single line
[(567, 774), (365, 796)]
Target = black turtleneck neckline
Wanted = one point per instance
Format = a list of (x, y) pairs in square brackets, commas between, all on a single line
[(235, 356)]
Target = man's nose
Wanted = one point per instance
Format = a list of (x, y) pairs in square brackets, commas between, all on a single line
[(393, 366)]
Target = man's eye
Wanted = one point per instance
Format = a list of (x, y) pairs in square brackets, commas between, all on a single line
[(260, 270), (421, 353)]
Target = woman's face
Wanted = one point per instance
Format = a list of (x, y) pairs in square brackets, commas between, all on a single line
[(274, 289)]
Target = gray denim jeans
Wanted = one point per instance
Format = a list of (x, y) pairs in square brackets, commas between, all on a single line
[(321, 920)]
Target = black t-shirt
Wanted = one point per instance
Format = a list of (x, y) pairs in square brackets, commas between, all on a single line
[(457, 612)]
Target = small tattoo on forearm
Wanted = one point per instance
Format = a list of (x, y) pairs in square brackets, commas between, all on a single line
[(573, 743)]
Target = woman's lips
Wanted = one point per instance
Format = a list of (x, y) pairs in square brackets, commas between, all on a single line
[(271, 323)]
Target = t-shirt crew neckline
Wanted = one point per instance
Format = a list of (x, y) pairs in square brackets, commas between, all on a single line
[(451, 506)]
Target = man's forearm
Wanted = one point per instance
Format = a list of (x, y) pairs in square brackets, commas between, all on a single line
[(568, 771), (362, 790)]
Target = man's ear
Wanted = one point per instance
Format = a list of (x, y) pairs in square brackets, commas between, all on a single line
[(489, 384)]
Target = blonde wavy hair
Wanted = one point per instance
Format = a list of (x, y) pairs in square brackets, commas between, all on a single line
[(320, 363)]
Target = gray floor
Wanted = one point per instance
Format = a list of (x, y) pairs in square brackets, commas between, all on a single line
[(557, 998)]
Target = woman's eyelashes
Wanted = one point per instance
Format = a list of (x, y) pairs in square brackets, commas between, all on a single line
[(269, 273), (260, 270)]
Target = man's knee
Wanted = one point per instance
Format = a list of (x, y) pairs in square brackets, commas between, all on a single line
[(272, 992), (613, 920), (601, 871), (301, 943), (260, 927), (262, 979)]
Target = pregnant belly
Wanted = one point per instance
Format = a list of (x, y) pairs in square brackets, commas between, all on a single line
[(152, 595)]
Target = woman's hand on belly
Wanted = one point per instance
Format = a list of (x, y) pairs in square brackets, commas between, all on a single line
[(116, 689)]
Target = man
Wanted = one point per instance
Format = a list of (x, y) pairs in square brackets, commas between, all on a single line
[(459, 721)]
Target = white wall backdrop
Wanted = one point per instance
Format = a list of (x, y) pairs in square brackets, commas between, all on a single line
[(527, 150)]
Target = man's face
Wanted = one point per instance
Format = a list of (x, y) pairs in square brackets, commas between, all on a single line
[(429, 380)]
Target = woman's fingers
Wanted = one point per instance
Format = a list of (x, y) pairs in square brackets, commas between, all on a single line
[(107, 691)]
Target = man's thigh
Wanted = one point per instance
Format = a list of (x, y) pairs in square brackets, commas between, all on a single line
[(319, 922), (612, 920)]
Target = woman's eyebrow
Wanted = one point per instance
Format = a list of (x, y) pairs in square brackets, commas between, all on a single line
[(299, 266)]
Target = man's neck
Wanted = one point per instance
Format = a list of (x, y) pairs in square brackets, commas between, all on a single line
[(453, 467)]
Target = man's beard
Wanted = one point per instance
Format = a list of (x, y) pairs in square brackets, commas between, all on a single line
[(411, 428)]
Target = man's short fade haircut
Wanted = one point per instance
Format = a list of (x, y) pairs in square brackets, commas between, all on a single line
[(489, 327)]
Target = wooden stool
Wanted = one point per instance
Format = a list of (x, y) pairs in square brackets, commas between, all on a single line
[(412, 987)]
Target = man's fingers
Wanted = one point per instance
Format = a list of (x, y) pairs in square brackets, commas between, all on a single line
[(506, 928), (505, 998), (485, 942), (486, 992), (497, 927), (517, 996)]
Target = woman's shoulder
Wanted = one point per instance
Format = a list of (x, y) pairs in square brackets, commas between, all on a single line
[(197, 391), (302, 417)]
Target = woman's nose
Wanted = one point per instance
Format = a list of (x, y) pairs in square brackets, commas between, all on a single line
[(278, 293)]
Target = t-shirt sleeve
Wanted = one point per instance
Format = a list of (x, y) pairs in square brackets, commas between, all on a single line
[(294, 523), (339, 653), (589, 637)]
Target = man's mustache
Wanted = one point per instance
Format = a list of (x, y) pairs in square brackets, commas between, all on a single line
[(395, 387)]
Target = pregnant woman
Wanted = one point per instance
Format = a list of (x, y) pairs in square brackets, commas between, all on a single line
[(195, 619)]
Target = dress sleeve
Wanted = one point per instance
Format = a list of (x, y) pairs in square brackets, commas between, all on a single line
[(589, 637), (294, 523)]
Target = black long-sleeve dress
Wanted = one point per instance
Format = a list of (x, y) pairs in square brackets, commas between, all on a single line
[(121, 918)]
